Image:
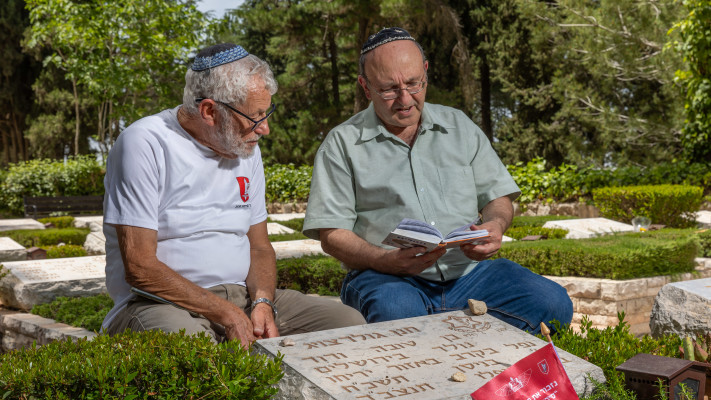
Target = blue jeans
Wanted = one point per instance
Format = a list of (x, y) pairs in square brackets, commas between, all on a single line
[(511, 292)]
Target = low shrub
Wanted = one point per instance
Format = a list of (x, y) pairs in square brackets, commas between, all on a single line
[(621, 256), (704, 243), (65, 251), (47, 237), (59, 222), (78, 176), (139, 365), (284, 237), (287, 183), (321, 275), (670, 205), (536, 220), (610, 347), (85, 312), (521, 232)]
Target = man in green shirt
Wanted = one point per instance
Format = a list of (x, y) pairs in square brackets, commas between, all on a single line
[(405, 158)]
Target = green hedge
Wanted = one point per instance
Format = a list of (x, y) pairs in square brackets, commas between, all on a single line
[(138, 365), (58, 222), (47, 237), (86, 312), (321, 275), (622, 256), (65, 251), (80, 176), (520, 232), (287, 183), (670, 205)]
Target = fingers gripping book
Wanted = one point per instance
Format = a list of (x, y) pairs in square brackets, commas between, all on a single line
[(415, 233)]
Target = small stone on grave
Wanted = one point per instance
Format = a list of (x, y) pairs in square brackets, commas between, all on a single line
[(413, 358)]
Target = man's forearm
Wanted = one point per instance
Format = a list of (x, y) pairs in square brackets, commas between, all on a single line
[(499, 211), (352, 250)]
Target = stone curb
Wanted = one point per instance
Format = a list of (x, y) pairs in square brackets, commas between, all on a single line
[(21, 330)]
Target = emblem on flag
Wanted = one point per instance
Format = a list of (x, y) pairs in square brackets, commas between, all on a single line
[(543, 366), (514, 385)]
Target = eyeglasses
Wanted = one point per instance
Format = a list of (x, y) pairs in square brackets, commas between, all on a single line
[(392, 94), (255, 122)]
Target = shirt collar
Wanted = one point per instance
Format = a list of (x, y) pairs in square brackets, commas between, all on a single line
[(373, 127)]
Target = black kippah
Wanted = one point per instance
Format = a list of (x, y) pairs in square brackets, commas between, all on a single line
[(218, 54), (386, 35)]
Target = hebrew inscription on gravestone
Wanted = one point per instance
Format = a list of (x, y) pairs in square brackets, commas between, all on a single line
[(412, 358)]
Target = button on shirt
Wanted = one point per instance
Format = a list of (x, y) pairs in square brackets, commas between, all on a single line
[(367, 180)]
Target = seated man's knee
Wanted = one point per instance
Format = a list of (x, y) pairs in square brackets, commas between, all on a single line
[(392, 305)]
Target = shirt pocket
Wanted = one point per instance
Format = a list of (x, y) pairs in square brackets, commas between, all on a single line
[(458, 190)]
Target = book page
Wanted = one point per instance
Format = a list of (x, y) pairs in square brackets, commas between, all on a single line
[(419, 226)]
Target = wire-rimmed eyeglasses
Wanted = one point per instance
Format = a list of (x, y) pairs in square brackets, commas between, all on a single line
[(255, 122), (394, 93)]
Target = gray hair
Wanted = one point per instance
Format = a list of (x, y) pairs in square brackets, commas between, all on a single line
[(228, 83)]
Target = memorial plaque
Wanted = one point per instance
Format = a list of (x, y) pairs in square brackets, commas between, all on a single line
[(35, 282), (21, 223), (588, 227), (412, 358)]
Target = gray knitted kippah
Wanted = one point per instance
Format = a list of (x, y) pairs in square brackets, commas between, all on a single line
[(216, 55), (386, 35)]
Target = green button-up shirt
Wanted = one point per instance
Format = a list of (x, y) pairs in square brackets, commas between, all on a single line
[(367, 180)]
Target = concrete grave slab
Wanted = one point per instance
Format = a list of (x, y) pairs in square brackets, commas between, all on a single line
[(93, 222), (297, 248), (22, 223), (412, 358), (10, 250), (35, 282), (286, 217), (703, 219), (682, 308), (274, 228), (588, 227)]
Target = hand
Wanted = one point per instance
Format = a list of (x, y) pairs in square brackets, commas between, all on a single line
[(241, 329), (263, 321), (481, 252), (410, 262)]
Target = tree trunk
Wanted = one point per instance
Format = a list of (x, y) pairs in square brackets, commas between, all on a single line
[(333, 50), (77, 123), (486, 97), (361, 102)]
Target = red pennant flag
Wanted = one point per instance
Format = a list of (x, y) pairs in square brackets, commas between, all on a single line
[(538, 376)]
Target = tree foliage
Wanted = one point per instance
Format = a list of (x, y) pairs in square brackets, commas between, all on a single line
[(695, 47), (122, 59)]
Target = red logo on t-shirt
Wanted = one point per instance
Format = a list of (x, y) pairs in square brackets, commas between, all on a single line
[(243, 187)]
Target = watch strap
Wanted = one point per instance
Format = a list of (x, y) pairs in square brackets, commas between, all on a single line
[(267, 301)]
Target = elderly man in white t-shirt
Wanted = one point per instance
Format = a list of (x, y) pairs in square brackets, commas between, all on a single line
[(185, 215)]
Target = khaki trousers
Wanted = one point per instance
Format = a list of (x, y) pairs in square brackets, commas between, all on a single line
[(297, 313)]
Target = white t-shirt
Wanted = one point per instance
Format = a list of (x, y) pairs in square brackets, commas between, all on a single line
[(202, 205)]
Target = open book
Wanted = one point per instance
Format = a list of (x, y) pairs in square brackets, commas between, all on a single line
[(414, 233)]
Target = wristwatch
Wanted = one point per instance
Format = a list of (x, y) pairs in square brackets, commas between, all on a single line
[(265, 300)]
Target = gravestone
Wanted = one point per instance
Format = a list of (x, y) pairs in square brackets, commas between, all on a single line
[(703, 219), (297, 248), (21, 223), (33, 282), (10, 250), (588, 227), (682, 308), (286, 216), (274, 228), (92, 222), (412, 358)]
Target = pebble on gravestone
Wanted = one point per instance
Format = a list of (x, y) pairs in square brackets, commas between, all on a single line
[(36, 253)]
